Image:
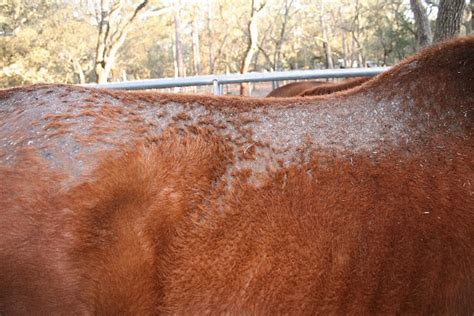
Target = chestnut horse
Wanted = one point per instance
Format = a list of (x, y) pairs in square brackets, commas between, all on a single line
[(294, 88), (329, 88), (115, 202), (307, 88)]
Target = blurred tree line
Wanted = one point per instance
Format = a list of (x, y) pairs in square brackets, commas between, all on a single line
[(79, 41)]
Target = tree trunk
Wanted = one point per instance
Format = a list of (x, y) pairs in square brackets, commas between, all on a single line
[(281, 39), (210, 37), (448, 22), (109, 41), (344, 50), (78, 70), (101, 49), (472, 16), (359, 50), (196, 49), (175, 65), (178, 45), (326, 45), (252, 44), (424, 36), (353, 50), (356, 35)]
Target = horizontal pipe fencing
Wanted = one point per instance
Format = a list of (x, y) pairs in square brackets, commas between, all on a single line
[(217, 81)]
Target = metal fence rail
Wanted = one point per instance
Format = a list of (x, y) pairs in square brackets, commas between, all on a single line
[(217, 81)]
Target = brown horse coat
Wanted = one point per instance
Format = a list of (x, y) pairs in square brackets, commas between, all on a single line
[(308, 88), (329, 88), (294, 88), (124, 202)]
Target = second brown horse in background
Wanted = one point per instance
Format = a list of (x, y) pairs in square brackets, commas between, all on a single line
[(308, 88)]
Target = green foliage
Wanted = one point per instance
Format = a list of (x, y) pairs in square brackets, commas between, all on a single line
[(55, 40), (44, 47)]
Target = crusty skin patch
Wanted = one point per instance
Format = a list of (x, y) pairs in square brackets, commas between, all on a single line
[(358, 202)]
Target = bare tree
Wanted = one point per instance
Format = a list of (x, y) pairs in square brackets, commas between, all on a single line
[(472, 16), (196, 48), (468, 21), (424, 36), (448, 22), (113, 30), (357, 47), (179, 62), (273, 54), (324, 36), (78, 70), (282, 35), (210, 36), (252, 44)]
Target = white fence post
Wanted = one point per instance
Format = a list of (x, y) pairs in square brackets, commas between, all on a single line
[(215, 87)]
